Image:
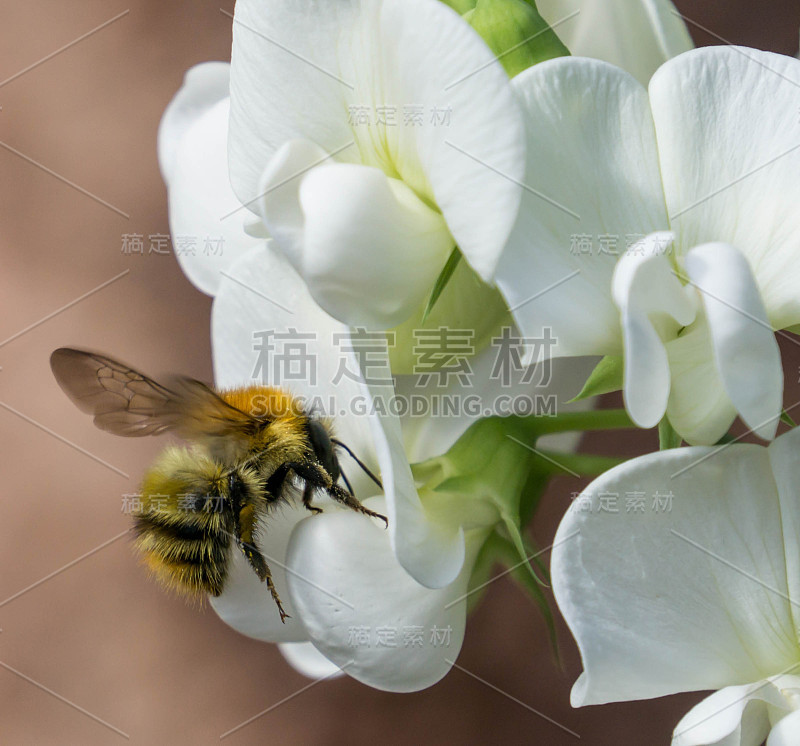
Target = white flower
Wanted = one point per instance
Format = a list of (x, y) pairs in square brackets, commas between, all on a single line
[(405, 577), (193, 156), (636, 35), (341, 572), (359, 137), (369, 253), (680, 571), (664, 227), (339, 552)]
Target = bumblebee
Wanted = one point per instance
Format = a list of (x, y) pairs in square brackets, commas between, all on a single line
[(247, 448)]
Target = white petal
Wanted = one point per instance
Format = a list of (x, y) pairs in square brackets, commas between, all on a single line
[(245, 603), (745, 347), (727, 128), (649, 296), (636, 35), (431, 552), (278, 200), (298, 70), (247, 303), (741, 716), (734, 716), (690, 594), (580, 112), (786, 732), (368, 248), (699, 408), (488, 395), (346, 581), (285, 84), (203, 86), (474, 165), (306, 659), (263, 294), (784, 455), (206, 221)]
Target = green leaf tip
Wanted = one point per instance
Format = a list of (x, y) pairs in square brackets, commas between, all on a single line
[(604, 379)]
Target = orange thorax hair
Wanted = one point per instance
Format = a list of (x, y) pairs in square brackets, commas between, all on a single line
[(284, 436)]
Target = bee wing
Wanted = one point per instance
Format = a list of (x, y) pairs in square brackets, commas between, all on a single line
[(126, 402), (203, 415)]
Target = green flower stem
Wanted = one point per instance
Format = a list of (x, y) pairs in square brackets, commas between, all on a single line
[(595, 419), (667, 437), (577, 464)]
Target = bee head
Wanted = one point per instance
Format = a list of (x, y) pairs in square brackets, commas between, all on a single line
[(323, 448)]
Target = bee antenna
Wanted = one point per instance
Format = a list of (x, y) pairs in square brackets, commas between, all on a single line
[(355, 458), (346, 480)]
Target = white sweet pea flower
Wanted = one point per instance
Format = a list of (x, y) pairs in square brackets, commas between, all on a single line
[(206, 220), (664, 227), (208, 224), (357, 139), (341, 575), (636, 35), (690, 580), (257, 290)]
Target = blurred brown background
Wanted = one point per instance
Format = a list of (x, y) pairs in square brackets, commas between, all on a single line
[(96, 632)]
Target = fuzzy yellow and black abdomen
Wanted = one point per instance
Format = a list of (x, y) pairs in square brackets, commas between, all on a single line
[(185, 527)]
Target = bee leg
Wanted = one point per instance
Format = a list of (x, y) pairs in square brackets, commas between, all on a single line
[(245, 526), (315, 476), (312, 473), (261, 568), (341, 495), (308, 493), (275, 597)]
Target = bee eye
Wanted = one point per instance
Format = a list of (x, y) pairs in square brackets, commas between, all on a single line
[(323, 448)]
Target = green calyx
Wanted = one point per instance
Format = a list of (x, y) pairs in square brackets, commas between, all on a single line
[(495, 472), (513, 29), (470, 312), (480, 480), (492, 480), (461, 6)]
